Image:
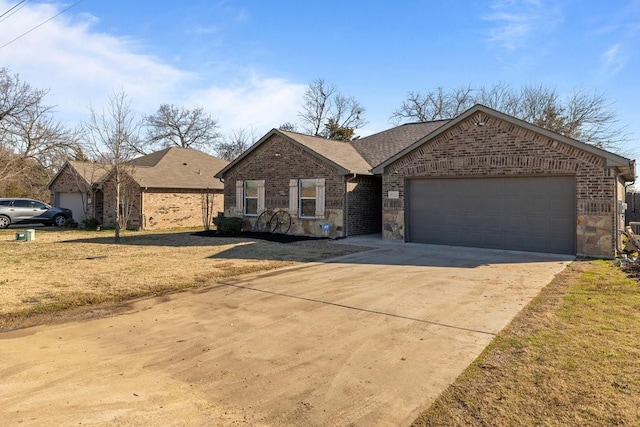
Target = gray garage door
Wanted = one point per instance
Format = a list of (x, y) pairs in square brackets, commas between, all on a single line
[(526, 214)]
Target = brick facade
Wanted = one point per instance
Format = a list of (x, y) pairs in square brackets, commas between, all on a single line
[(176, 208), (497, 149), (277, 161), (68, 181), (364, 201), (156, 209)]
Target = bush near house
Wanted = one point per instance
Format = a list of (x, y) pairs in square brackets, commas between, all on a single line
[(229, 225)]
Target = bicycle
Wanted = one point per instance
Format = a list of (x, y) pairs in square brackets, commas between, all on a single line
[(273, 222)]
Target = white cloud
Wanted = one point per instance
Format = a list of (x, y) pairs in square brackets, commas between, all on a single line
[(516, 21), (613, 60), (82, 67), (257, 103)]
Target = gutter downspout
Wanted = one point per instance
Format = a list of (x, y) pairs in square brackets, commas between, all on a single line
[(346, 204)]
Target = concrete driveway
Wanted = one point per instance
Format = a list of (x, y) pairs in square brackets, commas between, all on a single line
[(367, 339)]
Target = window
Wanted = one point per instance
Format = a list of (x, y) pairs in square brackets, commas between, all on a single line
[(251, 197), (306, 198), (307, 192)]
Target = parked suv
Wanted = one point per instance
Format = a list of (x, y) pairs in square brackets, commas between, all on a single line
[(29, 211)]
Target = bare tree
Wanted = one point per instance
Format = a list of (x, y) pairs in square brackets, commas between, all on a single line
[(588, 117), (328, 113), (234, 144), (112, 136), (288, 126), (174, 125), (29, 135)]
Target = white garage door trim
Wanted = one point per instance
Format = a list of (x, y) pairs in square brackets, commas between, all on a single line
[(536, 214)]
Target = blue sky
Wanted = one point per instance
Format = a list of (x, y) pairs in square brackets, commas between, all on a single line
[(248, 62)]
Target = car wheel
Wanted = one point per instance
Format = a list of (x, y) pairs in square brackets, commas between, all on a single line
[(4, 221), (59, 220)]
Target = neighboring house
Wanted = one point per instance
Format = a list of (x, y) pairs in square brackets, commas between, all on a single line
[(164, 189), (483, 179), (73, 188)]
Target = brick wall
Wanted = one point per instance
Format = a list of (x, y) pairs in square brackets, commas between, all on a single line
[(276, 161), (499, 148), (364, 200), (68, 181), (133, 194), (176, 208)]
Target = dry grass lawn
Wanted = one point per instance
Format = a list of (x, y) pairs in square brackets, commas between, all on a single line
[(571, 358), (67, 269)]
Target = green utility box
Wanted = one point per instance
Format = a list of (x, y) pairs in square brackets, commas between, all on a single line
[(21, 236)]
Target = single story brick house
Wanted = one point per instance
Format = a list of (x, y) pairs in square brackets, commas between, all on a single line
[(165, 189), (483, 179), (73, 188)]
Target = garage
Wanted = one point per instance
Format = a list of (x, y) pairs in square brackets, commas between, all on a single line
[(74, 202), (536, 214)]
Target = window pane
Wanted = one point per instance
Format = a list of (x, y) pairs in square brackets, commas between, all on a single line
[(307, 188), (308, 207), (22, 204), (251, 189), (251, 206)]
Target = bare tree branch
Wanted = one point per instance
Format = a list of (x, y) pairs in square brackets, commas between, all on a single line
[(587, 117), (112, 136), (174, 125)]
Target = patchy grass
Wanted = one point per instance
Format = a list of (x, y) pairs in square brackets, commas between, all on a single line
[(67, 269), (572, 357)]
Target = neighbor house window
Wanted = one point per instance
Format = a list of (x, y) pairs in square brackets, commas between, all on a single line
[(250, 197), (306, 198)]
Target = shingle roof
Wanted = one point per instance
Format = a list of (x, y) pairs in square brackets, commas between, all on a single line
[(178, 167), (379, 147), (338, 152), (90, 171)]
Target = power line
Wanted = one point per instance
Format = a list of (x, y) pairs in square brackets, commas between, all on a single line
[(41, 24), (8, 12)]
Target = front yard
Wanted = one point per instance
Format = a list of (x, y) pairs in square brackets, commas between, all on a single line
[(62, 270), (571, 358)]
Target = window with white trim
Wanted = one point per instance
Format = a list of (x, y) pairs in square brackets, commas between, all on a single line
[(307, 197), (250, 197)]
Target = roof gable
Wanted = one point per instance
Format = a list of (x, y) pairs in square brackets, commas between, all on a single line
[(89, 172), (338, 154), (612, 160)]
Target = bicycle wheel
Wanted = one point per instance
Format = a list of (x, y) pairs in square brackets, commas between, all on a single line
[(280, 222), (262, 223)]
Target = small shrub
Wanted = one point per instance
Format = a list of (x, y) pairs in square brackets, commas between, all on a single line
[(71, 223), (91, 223), (229, 225)]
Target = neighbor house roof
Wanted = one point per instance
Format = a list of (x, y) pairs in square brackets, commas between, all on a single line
[(178, 168), (379, 147), (90, 172), (624, 165), (340, 154)]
